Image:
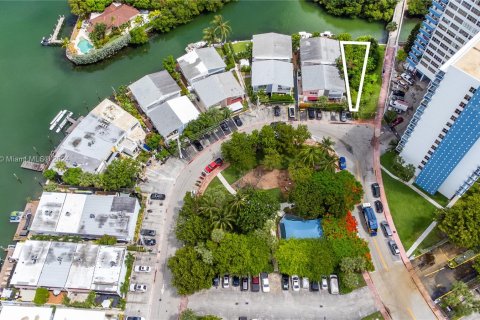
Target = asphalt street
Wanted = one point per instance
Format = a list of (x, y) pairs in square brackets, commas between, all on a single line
[(177, 177)]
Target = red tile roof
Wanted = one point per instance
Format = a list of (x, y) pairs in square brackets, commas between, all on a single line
[(114, 16)]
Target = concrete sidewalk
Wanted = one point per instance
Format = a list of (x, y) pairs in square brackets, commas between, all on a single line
[(226, 184)]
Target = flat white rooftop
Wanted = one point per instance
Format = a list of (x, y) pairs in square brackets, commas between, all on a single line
[(88, 216), (78, 314), (69, 266), (26, 313)]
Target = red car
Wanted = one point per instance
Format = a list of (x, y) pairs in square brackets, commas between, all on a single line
[(396, 122), (214, 164)]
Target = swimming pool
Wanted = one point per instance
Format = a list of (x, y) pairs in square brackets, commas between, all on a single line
[(84, 45), (294, 227)]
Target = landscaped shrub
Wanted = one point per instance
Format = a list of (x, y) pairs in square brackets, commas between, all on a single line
[(106, 51), (41, 296)]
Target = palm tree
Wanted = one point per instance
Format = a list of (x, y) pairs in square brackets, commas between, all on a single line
[(65, 43), (237, 202), (310, 156), (392, 145), (61, 165), (327, 144), (221, 27), (208, 205), (223, 220), (328, 163), (209, 35)]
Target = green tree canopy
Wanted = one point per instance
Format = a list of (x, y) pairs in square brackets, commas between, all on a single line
[(72, 176), (83, 7), (461, 223), (372, 10), (418, 8), (240, 151), (326, 192), (121, 173), (138, 36), (190, 273)]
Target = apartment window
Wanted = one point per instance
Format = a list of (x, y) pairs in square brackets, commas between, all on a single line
[(453, 118), (453, 7), (457, 111), (430, 152), (457, 19), (443, 46), (434, 147), (430, 52), (471, 19), (449, 124), (437, 141), (467, 5), (449, 13), (463, 33), (447, 40), (444, 130), (420, 167), (423, 162), (462, 12), (437, 58), (442, 27), (426, 158), (472, 90), (453, 26), (427, 58), (441, 136), (467, 97), (436, 65), (476, 11), (436, 40), (462, 105)]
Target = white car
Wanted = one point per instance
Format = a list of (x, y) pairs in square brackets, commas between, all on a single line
[(295, 283), (324, 283), (305, 283), (137, 287), (142, 269), (407, 78), (226, 281), (265, 284)]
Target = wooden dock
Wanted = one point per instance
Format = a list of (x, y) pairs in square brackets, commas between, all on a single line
[(53, 40), (26, 220), (7, 268), (35, 166)]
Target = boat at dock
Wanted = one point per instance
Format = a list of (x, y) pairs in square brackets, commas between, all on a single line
[(195, 45), (64, 122), (16, 216), (57, 119)]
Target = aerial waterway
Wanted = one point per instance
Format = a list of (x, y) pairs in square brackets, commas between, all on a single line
[(38, 82)]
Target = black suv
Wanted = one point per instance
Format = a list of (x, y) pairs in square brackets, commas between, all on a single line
[(276, 111), (311, 113), (314, 286), (378, 206), (237, 120), (157, 196), (225, 127), (285, 282), (148, 232), (150, 242), (197, 145), (376, 190)]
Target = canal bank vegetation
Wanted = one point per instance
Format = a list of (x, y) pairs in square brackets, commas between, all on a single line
[(418, 8), (372, 10)]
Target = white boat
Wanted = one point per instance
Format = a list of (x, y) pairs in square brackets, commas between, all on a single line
[(57, 119), (196, 45), (62, 124), (326, 34), (305, 35)]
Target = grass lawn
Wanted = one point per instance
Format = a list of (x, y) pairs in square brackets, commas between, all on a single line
[(220, 51), (367, 111), (344, 290), (240, 46), (232, 174), (411, 213), (438, 197), (276, 193), (386, 160), (374, 316), (215, 185), (433, 238)]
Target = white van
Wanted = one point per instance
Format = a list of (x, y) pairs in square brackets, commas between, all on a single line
[(334, 284), (399, 105), (291, 111)]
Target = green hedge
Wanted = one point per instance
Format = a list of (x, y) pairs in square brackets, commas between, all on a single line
[(95, 55)]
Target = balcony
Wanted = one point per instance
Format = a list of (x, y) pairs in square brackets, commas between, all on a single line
[(411, 62), (439, 5), (435, 13), (417, 52), (428, 26), (431, 19), (425, 34)]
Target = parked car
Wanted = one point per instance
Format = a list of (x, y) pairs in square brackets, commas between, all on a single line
[(305, 283), (255, 284), (387, 232), (319, 114), (244, 286), (342, 163), (197, 145), (136, 287), (396, 122), (378, 206), (393, 247), (343, 116), (311, 113), (148, 232), (407, 78), (291, 112), (376, 190), (324, 283), (398, 93), (225, 127), (216, 281), (314, 286), (236, 281), (265, 282), (276, 111), (142, 269), (226, 281), (157, 196), (150, 242), (213, 165), (285, 281), (334, 284), (135, 318), (295, 283), (238, 121)]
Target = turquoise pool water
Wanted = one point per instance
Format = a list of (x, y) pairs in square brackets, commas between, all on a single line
[(84, 45), (294, 227)]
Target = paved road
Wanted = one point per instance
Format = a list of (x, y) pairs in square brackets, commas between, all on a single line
[(393, 282)]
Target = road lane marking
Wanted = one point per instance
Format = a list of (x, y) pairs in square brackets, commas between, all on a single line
[(380, 254), (411, 313)]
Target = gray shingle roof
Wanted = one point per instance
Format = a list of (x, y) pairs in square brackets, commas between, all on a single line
[(218, 87), (153, 88), (173, 115), (322, 77), (319, 50), (272, 46), (200, 62), (272, 72)]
